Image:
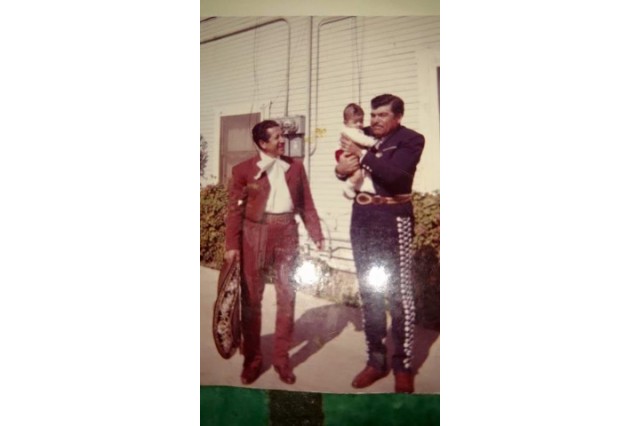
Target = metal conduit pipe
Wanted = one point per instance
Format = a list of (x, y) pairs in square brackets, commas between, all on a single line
[(311, 130), (255, 27), (309, 97), (320, 25)]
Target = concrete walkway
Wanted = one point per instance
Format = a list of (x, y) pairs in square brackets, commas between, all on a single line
[(329, 347)]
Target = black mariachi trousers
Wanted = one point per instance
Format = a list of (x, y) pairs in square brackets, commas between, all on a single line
[(381, 238)]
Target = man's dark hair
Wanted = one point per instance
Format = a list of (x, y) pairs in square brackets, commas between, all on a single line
[(352, 110), (260, 133), (397, 104)]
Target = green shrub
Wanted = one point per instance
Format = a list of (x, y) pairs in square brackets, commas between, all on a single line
[(204, 156), (213, 209), (426, 208), (427, 258)]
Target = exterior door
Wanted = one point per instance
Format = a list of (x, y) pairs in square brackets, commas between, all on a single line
[(236, 143)]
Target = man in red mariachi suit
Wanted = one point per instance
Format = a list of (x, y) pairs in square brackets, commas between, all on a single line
[(266, 193)]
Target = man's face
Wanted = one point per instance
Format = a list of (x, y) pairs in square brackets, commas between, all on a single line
[(274, 147), (383, 121)]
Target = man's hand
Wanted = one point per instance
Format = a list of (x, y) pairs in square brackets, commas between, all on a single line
[(232, 255), (320, 245), (347, 164), (348, 145)]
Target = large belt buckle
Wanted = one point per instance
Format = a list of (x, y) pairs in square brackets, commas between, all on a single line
[(364, 199)]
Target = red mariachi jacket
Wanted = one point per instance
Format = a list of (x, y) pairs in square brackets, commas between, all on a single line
[(248, 198)]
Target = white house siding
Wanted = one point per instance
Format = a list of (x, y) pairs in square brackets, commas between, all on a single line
[(242, 71), (356, 59)]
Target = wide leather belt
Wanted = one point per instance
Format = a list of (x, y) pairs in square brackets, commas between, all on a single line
[(364, 198), (279, 218)]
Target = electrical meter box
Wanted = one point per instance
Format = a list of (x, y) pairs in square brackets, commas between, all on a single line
[(293, 132)]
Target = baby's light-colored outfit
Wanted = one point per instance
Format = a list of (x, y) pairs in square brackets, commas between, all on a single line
[(354, 182)]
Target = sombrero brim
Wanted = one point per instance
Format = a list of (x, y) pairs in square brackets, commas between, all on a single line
[(226, 310)]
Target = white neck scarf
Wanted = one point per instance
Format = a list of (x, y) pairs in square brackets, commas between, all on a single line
[(266, 164), (279, 200)]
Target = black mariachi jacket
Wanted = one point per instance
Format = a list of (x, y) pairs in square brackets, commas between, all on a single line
[(392, 165)]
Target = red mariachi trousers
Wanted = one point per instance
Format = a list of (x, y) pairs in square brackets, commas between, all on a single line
[(264, 246)]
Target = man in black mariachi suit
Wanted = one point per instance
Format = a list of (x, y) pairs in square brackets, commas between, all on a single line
[(381, 234)]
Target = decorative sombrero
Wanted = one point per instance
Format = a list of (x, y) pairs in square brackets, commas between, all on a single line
[(226, 310)]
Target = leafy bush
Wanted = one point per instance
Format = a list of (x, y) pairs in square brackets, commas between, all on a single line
[(204, 156), (427, 258), (426, 208), (213, 209), (338, 286)]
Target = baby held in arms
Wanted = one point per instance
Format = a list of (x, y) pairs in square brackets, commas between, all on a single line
[(353, 116)]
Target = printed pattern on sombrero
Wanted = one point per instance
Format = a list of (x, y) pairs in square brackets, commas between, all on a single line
[(226, 315)]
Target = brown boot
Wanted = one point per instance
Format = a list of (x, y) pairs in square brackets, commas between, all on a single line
[(404, 382), (368, 376), (286, 373), (251, 372)]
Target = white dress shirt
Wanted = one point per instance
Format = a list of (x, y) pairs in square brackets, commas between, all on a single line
[(279, 200)]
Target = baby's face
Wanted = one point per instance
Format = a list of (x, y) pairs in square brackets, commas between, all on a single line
[(355, 122)]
